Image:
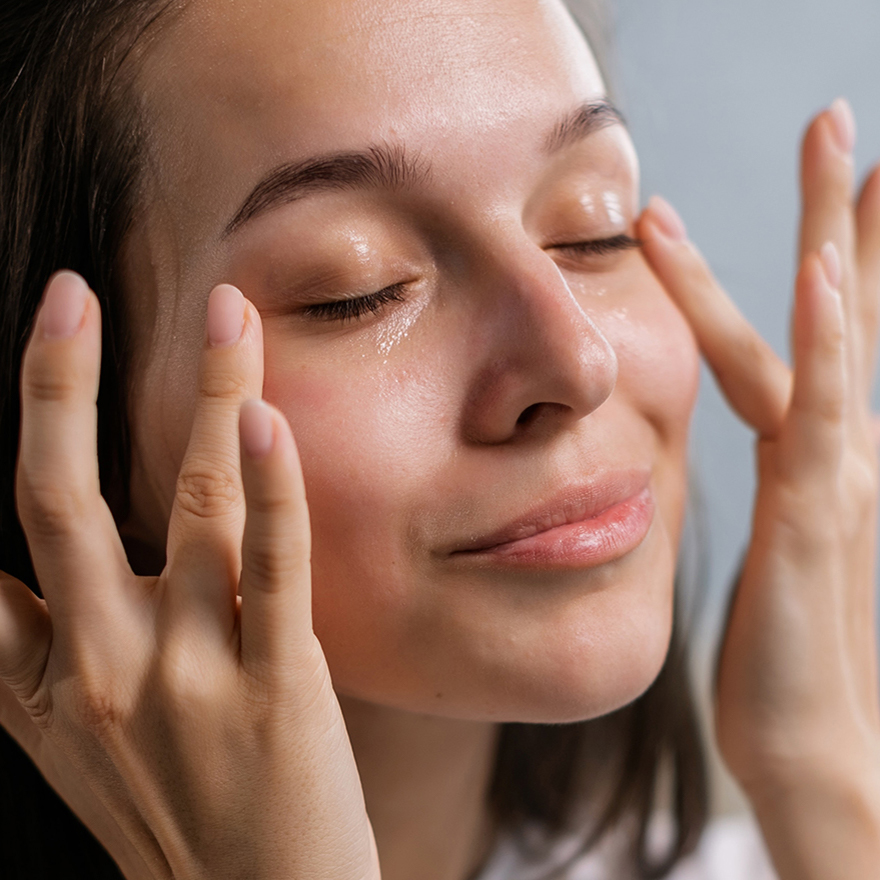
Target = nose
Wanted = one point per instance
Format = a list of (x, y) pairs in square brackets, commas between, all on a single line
[(544, 363)]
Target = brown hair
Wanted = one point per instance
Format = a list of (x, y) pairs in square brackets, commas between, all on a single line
[(70, 148)]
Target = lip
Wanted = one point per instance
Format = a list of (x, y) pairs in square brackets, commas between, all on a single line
[(582, 526)]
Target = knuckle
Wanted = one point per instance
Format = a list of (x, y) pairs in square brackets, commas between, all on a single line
[(311, 698), (800, 500), (836, 338), (261, 701), (268, 502), (185, 680), (47, 508), (805, 538), (224, 385), (860, 487), (824, 411), (46, 383), (261, 566), (204, 492), (96, 710), (831, 411)]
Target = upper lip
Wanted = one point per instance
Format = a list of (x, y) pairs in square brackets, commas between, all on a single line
[(574, 503)]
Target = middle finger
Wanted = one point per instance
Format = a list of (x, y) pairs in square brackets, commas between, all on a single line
[(207, 519)]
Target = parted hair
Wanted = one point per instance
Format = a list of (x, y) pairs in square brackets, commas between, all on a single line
[(71, 147)]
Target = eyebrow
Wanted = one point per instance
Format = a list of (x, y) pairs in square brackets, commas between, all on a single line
[(389, 166), (381, 165), (580, 123)]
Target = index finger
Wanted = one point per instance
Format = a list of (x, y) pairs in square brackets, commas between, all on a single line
[(73, 541), (755, 380)]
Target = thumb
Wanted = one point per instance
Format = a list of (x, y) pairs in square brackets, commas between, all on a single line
[(25, 638)]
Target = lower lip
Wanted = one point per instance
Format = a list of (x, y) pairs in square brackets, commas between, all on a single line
[(603, 538)]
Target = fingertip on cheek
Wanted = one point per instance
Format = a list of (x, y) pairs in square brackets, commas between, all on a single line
[(226, 313)]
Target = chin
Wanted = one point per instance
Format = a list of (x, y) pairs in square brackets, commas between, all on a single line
[(571, 673), (549, 653), (581, 698), (588, 682), (595, 656)]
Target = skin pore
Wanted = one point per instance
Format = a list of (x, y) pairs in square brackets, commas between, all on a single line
[(509, 365)]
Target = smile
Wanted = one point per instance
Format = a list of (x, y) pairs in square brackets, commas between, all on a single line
[(581, 527)]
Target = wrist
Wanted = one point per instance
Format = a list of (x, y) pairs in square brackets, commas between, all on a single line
[(823, 821)]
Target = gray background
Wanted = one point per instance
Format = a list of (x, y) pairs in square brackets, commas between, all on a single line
[(717, 95)]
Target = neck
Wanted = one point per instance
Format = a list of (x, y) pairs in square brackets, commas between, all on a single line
[(425, 782)]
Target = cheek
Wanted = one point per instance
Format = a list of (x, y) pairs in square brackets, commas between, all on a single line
[(658, 380), (343, 431), (351, 424), (371, 439), (659, 363), (369, 436)]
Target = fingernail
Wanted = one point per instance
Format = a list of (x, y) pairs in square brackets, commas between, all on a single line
[(831, 264), (667, 218), (64, 305), (257, 432), (844, 124), (225, 315)]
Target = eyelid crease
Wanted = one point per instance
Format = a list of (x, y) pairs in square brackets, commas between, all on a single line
[(319, 284)]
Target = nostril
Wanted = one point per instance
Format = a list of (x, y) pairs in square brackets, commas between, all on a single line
[(528, 414)]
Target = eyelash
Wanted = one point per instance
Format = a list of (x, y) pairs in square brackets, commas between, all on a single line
[(602, 246), (355, 308)]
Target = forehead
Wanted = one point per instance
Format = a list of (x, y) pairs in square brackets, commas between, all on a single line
[(248, 57), (235, 87)]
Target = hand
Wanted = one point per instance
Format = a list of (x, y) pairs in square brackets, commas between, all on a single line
[(797, 713), (188, 718)]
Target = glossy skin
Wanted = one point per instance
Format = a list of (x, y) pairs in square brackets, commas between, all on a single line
[(407, 419), (507, 366)]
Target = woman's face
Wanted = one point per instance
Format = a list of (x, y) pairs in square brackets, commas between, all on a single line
[(509, 377)]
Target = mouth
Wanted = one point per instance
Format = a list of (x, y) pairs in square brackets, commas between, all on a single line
[(582, 526)]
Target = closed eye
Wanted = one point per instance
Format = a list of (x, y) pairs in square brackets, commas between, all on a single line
[(355, 308), (601, 246)]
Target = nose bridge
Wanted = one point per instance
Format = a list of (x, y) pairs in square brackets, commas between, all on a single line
[(553, 318), (547, 354)]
